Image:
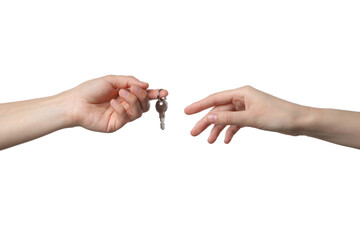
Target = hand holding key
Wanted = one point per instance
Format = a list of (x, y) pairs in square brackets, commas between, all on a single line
[(106, 104)]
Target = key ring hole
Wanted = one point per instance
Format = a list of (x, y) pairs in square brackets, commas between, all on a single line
[(158, 94)]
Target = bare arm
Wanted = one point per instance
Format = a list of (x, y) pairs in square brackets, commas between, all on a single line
[(104, 104), (27, 120), (249, 107), (336, 126)]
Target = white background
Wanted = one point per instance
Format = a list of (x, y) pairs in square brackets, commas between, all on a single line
[(144, 183)]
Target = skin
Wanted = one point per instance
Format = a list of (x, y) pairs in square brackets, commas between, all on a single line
[(104, 104), (249, 107)]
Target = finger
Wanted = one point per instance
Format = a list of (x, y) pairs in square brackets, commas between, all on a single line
[(121, 113), (123, 103), (215, 133), (230, 118), (152, 93), (124, 82), (203, 124), (134, 110), (200, 126), (142, 96), (230, 132), (216, 99)]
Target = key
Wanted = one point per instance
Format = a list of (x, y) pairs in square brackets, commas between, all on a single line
[(161, 107)]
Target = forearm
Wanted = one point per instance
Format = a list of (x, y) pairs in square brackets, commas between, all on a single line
[(26, 120), (336, 126)]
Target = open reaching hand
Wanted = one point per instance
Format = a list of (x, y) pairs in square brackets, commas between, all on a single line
[(249, 107), (245, 107)]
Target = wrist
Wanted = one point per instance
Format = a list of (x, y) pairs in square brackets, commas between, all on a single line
[(63, 106)]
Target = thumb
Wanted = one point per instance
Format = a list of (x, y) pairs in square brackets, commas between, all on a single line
[(229, 118)]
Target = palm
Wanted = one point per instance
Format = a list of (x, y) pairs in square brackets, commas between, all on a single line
[(94, 110)]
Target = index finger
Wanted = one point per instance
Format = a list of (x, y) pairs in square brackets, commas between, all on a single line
[(124, 82), (152, 93), (220, 98)]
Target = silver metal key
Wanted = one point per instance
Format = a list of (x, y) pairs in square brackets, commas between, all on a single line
[(161, 107)]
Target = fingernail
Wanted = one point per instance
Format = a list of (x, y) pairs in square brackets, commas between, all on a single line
[(212, 117), (136, 89), (144, 82), (124, 92)]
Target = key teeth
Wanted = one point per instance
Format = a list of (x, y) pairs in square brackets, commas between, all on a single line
[(162, 123)]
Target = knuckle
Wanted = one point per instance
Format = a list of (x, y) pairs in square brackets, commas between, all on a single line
[(131, 77), (147, 106), (110, 76), (247, 88), (143, 97), (213, 98), (228, 118), (238, 102), (138, 115), (237, 99), (132, 98)]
